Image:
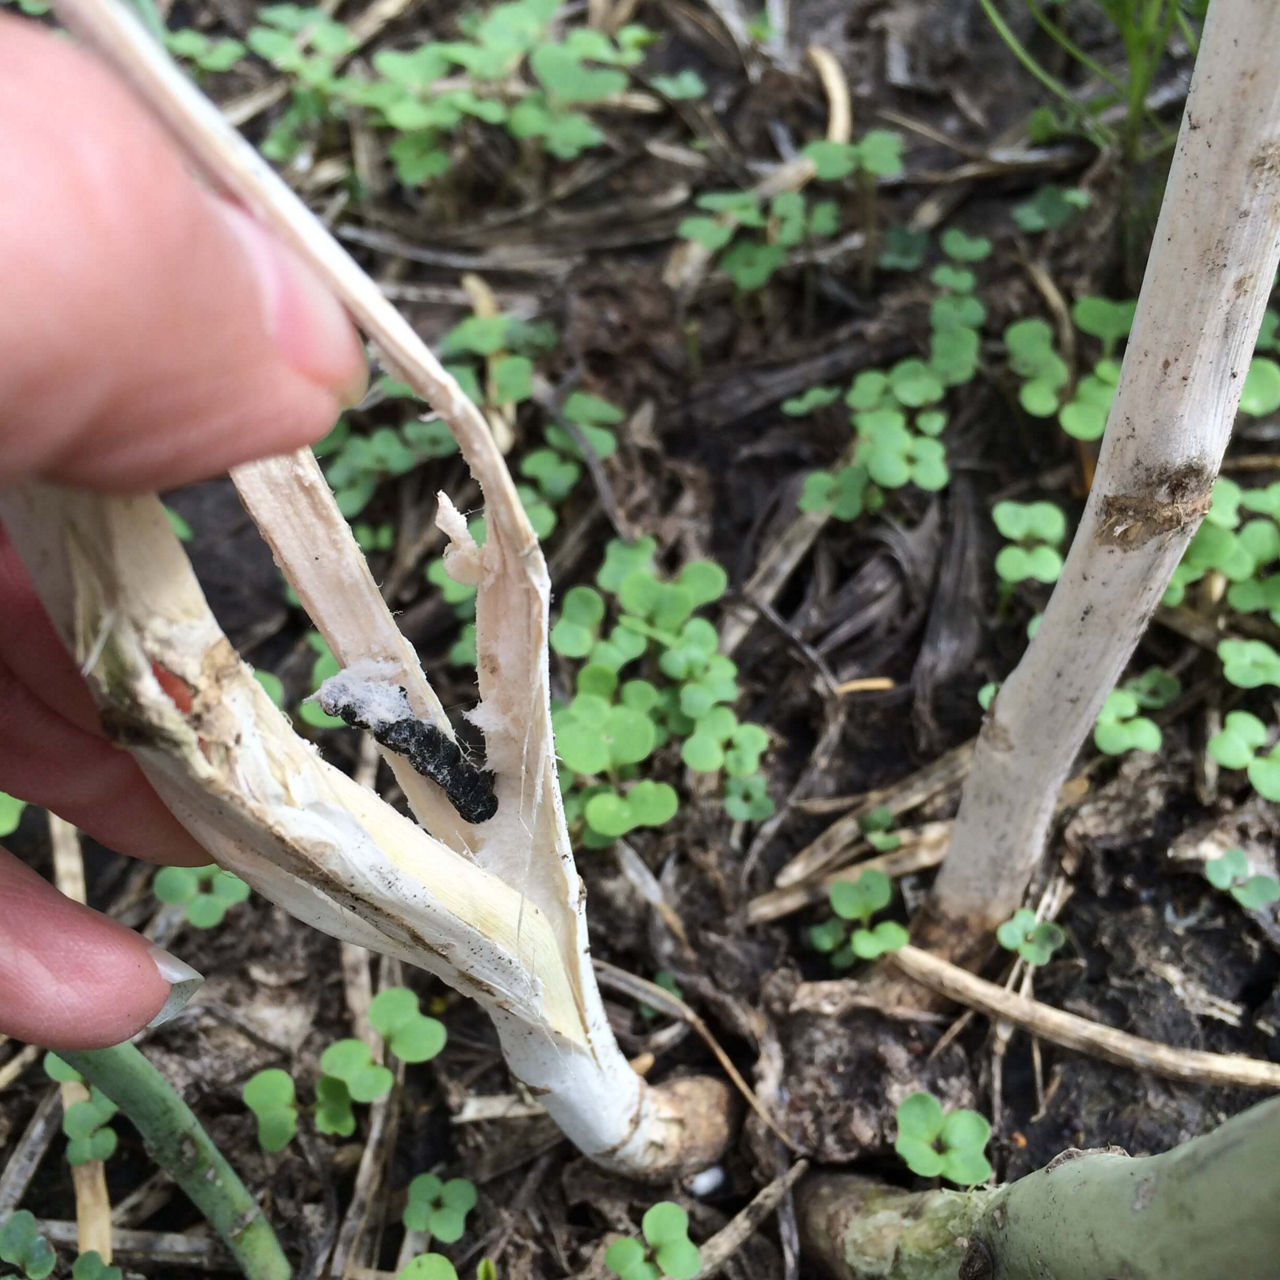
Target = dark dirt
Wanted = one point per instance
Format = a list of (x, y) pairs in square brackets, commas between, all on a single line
[(715, 469)]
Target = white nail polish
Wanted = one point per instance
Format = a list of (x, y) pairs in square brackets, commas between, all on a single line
[(183, 982)]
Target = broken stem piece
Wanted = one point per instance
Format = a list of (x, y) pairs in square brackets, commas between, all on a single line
[(488, 900), (1213, 260)]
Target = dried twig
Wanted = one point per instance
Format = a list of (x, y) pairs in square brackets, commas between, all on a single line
[(922, 847), (29, 1150), (1074, 1032), (93, 1206), (731, 1237), (149, 1248)]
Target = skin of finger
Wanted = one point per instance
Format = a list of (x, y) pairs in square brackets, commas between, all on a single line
[(47, 760), (136, 351), (69, 977), (33, 653)]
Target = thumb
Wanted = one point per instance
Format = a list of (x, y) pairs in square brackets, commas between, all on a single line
[(73, 979), (153, 334)]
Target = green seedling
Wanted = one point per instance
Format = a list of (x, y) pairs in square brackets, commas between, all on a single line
[(611, 814), (665, 1251), (1084, 416), (10, 813), (935, 1144), (1216, 545), (878, 153), (1260, 395), (207, 893), (429, 1266), (1231, 873), (747, 799), (876, 827), (306, 45), (964, 248), (902, 249), (898, 413), (750, 260), (1249, 664), (1032, 358), (270, 1096), (1044, 374), (1035, 531), (815, 398), (1050, 208), (356, 462), (845, 494), (1034, 940), (613, 724), (85, 1124), (438, 1207), (1154, 689), (202, 51), (1104, 319), (858, 901), (684, 86), (348, 1074), (594, 417), (1239, 746), (1121, 728), (409, 1033), (22, 1246), (90, 1266)]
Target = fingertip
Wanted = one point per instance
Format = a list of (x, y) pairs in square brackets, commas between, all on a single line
[(69, 977), (153, 334)]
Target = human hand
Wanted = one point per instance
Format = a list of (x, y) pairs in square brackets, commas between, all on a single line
[(151, 335)]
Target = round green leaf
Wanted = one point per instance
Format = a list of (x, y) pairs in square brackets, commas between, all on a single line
[(652, 803), (392, 1009), (920, 1156), (704, 580), (965, 1129), (665, 1222), (582, 747), (345, 1058), (1264, 774), (1257, 892), (419, 1040), (609, 814), (679, 1260), (966, 1168), (276, 1129), (622, 1255), (702, 753), (63, 1072), (176, 885), (920, 1118), (228, 888), (205, 911), (268, 1090), (1261, 392)]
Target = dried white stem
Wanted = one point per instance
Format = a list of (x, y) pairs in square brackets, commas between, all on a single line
[(291, 503), (495, 909), (1212, 263)]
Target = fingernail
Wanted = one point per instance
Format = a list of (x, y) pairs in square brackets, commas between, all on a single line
[(308, 324), (183, 980)]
